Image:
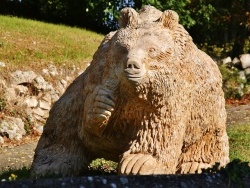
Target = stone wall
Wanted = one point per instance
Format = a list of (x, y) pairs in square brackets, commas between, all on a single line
[(242, 62), (237, 77), (26, 98)]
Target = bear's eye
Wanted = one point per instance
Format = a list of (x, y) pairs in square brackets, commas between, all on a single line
[(152, 49), (152, 52)]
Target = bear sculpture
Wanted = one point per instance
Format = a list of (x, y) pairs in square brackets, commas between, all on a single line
[(150, 100)]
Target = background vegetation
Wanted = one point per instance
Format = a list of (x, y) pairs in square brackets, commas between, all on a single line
[(214, 24)]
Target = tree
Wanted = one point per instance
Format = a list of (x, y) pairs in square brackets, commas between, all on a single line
[(179, 6), (239, 20), (31, 8), (102, 15), (10, 7), (53, 10)]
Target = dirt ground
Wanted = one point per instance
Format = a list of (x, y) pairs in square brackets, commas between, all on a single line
[(16, 157), (19, 154), (238, 115)]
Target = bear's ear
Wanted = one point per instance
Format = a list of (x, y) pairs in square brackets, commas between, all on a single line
[(169, 19), (128, 18)]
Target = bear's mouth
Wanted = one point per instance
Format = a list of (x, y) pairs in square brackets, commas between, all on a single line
[(134, 77)]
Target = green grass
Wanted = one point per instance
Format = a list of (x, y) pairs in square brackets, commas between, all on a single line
[(31, 44), (239, 142)]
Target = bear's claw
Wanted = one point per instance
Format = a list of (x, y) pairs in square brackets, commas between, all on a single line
[(138, 164)]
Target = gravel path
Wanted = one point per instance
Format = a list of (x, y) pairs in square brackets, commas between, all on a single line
[(238, 115), (20, 155), (17, 154)]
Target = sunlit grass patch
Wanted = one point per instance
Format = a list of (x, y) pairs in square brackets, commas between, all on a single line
[(32, 44), (239, 142)]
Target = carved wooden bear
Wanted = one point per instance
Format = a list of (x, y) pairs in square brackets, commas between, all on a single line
[(150, 100)]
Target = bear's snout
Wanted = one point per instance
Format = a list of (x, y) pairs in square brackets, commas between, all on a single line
[(135, 68)]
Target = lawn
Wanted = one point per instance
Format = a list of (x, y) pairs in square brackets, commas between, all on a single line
[(239, 142), (28, 44)]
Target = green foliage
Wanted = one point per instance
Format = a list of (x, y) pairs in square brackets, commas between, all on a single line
[(202, 12), (215, 50), (227, 25), (247, 45), (101, 166), (181, 7), (103, 13), (55, 8), (28, 125)]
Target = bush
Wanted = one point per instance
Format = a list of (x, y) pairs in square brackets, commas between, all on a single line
[(233, 86), (101, 166)]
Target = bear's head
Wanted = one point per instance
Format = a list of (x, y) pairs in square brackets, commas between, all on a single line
[(145, 47)]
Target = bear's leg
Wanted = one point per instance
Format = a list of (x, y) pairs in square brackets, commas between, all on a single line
[(102, 103), (59, 159), (140, 164), (210, 149), (154, 152)]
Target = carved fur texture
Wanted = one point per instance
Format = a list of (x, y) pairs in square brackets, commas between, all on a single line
[(150, 100)]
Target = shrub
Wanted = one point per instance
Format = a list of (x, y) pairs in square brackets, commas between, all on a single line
[(233, 85), (101, 166)]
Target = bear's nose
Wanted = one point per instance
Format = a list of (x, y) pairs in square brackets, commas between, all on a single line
[(133, 65), (134, 69)]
